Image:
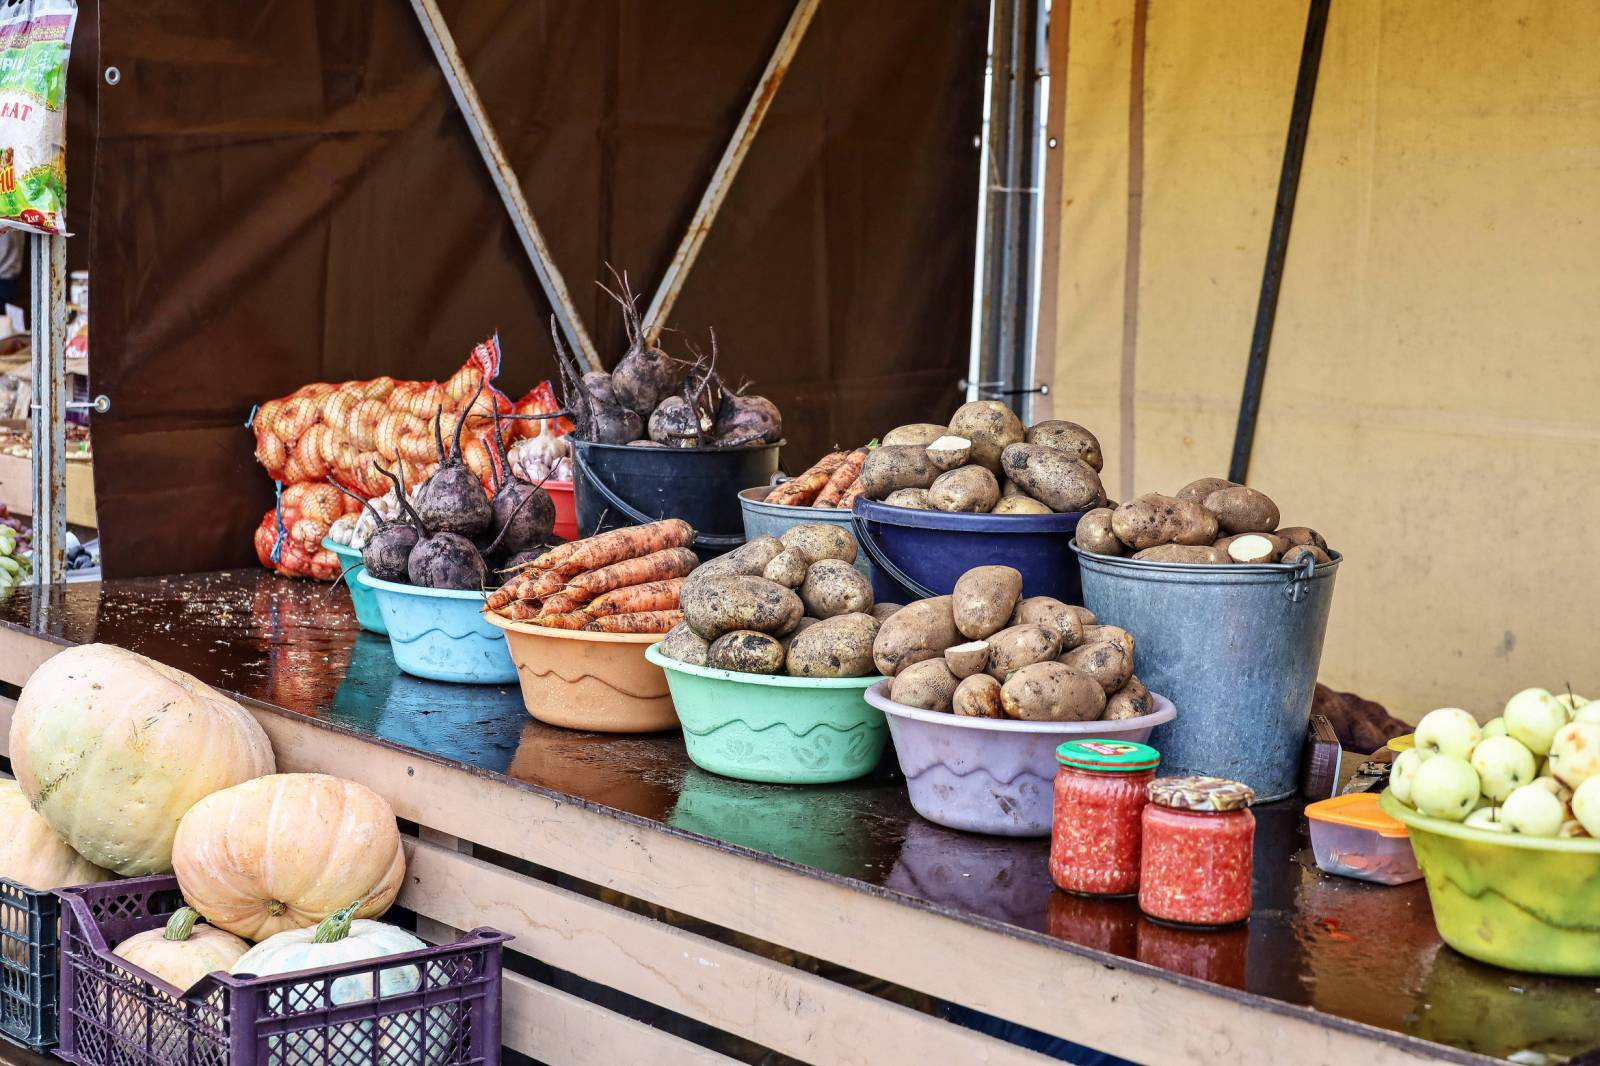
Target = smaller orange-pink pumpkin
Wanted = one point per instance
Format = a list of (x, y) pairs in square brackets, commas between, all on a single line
[(182, 952), (287, 850)]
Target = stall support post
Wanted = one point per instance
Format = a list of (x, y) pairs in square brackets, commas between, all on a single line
[(47, 319)]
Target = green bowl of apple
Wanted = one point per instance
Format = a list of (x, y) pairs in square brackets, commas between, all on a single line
[(1505, 823)]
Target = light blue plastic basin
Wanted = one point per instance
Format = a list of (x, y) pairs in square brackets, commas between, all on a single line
[(362, 598), (440, 634)]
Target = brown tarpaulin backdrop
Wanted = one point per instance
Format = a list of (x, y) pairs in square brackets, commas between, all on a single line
[(285, 192)]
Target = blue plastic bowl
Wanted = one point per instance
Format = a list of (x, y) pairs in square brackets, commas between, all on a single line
[(362, 598), (441, 634), (916, 554)]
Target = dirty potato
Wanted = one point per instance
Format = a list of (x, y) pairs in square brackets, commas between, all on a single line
[(882, 611), (1066, 619), (840, 646), (920, 434), (749, 559), (990, 425), (747, 652), (684, 645), (967, 659), (820, 540), (917, 631), (916, 499), (1109, 664), (1017, 503), (965, 490), (1052, 692), (717, 605), (1197, 491), (1300, 551), (1243, 510), (1154, 519), (949, 453), (1094, 533), (928, 684), (1302, 535), (983, 599), (978, 696), (1012, 649), (896, 466), (1094, 633), (1068, 437), (833, 587), (788, 568), (1055, 478), (1129, 701), (1183, 553)]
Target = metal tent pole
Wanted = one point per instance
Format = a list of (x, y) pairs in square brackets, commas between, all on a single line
[(1294, 150), (47, 321), (655, 319), (505, 181)]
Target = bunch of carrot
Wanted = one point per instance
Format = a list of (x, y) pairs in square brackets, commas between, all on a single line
[(832, 481), (624, 581)]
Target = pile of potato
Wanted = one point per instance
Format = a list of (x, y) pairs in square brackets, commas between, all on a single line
[(986, 652), (1209, 521), (986, 462), (793, 605)]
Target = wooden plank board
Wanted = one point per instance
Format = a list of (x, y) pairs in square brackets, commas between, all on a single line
[(551, 1026), (779, 1007)]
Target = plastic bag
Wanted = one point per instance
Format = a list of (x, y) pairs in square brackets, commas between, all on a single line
[(35, 40)]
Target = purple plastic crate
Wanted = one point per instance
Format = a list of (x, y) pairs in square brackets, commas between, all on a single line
[(116, 1014)]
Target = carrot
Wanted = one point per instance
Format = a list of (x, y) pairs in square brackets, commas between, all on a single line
[(657, 566), (800, 491), (565, 601), (568, 620), (849, 499), (600, 550), (636, 599), (518, 611), (841, 479), (503, 596), (529, 586), (643, 622)]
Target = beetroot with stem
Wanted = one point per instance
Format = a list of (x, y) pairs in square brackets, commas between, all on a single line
[(452, 500), (386, 552), (594, 418), (523, 513), (646, 375), (446, 561)]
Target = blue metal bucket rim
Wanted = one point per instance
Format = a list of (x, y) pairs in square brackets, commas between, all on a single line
[(916, 518), (417, 590)]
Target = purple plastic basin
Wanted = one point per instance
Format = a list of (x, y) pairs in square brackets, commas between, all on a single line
[(988, 775)]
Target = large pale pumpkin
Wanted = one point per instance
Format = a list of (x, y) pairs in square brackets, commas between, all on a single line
[(112, 748), (182, 952), (32, 854), (284, 852)]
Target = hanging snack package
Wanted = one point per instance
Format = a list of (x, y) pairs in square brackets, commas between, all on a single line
[(35, 38)]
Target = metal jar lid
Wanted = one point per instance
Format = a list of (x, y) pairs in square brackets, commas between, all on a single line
[(1107, 756), (1212, 794)]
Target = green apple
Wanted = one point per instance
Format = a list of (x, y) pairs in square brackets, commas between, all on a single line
[(1503, 764), (1445, 786), (1575, 753), (1533, 716), (1571, 702), (1586, 806), (1402, 773), (1494, 727), (1447, 731), (1556, 789), (1533, 811), (1589, 712), (1487, 818)]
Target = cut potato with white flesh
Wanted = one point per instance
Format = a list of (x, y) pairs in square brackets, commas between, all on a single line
[(948, 453), (967, 659), (1252, 548)]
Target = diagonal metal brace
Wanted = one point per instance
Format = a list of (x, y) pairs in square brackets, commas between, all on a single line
[(655, 319), (505, 181)]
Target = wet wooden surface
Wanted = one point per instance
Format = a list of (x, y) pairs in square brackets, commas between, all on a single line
[(1360, 952)]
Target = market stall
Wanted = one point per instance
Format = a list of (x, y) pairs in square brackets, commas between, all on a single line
[(773, 905)]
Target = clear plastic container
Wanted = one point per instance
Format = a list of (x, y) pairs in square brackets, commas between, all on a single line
[(1352, 837)]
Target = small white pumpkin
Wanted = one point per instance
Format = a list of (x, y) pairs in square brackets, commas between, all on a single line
[(183, 952), (343, 938), (34, 855)]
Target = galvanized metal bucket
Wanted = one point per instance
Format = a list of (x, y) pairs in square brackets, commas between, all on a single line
[(1236, 648)]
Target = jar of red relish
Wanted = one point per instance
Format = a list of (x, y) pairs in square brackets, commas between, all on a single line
[(1099, 793), (1195, 866)]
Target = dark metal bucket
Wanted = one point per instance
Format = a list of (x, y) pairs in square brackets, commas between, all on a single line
[(1236, 648)]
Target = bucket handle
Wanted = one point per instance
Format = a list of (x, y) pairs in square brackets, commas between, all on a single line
[(1299, 586), (869, 544), (702, 540)]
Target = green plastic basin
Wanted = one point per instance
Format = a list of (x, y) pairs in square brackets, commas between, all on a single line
[(776, 729), (362, 598), (1525, 903)]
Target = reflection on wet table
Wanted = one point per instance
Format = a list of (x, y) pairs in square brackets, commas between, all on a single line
[(1364, 952)]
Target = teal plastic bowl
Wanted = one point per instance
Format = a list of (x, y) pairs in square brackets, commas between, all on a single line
[(441, 634), (775, 729), (362, 598)]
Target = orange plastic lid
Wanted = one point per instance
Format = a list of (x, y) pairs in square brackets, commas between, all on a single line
[(1359, 809)]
